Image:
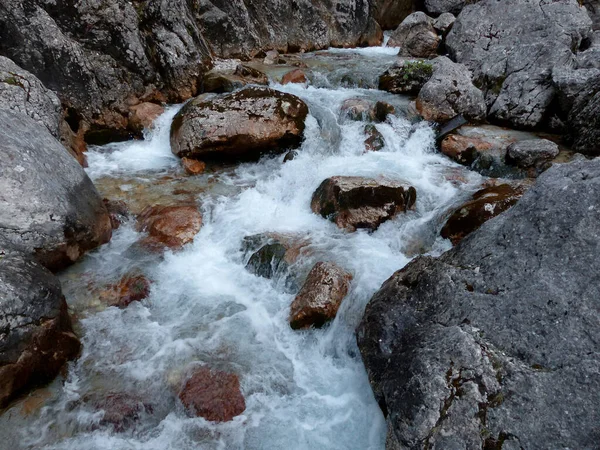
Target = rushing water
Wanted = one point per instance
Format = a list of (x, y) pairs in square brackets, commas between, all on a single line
[(303, 390)]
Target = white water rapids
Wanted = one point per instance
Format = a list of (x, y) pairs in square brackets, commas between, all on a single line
[(303, 390)]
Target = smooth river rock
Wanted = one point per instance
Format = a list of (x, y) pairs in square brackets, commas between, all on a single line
[(495, 343), (172, 226)]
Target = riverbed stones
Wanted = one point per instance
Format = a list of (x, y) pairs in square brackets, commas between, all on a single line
[(359, 202), (295, 76), (531, 152), (483, 205), (172, 226), (37, 338), (50, 207), (121, 411), (407, 77), (450, 92), (510, 60), (416, 36), (212, 394), (496, 340), (243, 124), (320, 297)]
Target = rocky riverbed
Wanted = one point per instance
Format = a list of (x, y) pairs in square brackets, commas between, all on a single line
[(217, 231)]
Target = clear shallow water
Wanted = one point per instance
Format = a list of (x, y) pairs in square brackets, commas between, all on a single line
[(303, 390)]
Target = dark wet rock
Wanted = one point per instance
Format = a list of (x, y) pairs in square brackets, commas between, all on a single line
[(50, 207), (320, 297), (274, 253), (450, 92), (358, 202), (289, 156), (495, 342), (133, 287), (444, 23), (36, 337), (512, 61), (239, 125), (408, 77), (172, 226), (531, 152), (213, 395), (483, 205), (193, 166), (294, 76), (101, 58), (121, 411), (364, 109), (464, 149), (452, 125), (117, 211), (219, 81), (438, 7), (143, 115), (416, 36), (390, 13), (374, 141)]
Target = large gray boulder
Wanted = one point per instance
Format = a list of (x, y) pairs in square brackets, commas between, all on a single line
[(511, 47), (50, 207), (437, 7), (416, 36), (36, 338), (450, 92), (495, 343)]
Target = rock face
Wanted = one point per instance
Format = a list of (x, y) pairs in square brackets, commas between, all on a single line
[(49, 205), (239, 125), (408, 77), (416, 36), (450, 92), (320, 297), (36, 335), (593, 9), (214, 395), (173, 226), (584, 119), (101, 58), (484, 205), (494, 343), (437, 7), (390, 13), (357, 202), (511, 61), (531, 152)]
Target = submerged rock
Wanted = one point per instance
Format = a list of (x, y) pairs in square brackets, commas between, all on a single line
[(239, 125), (133, 287), (172, 226), (273, 253), (511, 60), (374, 141), (364, 109), (450, 92), (408, 77), (213, 395), (358, 202), (193, 166), (531, 152), (121, 410), (495, 343), (416, 36), (36, 337), (50, 207), (294, 76), (320, 297), (484, 205)]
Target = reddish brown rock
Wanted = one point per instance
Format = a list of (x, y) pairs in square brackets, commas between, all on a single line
[(131, 288), (121, 410), (463, 149), (374, 141), (193, 166), (294, 76), (227, 81), (117, 211), (358, 202), (320, 297), (173, 226), (484, 205), (143, 115), (214, 395)]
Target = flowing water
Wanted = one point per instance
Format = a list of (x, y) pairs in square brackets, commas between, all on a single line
[(303, 390)]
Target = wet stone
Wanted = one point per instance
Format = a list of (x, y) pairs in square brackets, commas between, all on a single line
[(193, 166), (131, 288), (374, 141), (173, 226)]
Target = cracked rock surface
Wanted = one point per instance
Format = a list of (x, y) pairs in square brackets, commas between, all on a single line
[(495, 343)]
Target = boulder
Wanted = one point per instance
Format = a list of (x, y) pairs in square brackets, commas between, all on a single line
[(242, 124), (193, 166), (172, 226), (49, 205), (531, 152), (133, 287), (464, 149), (117, 211), (570, 83), (590, 58), (483, 205), (271, 58), (512, 61), (320, 297), (494, 344), (37, 338), (593, 9), (450, 92), (294, 76), (364, 109), (407, 77), (375, 140), (358, 202), (444, 23), (143, 115), (416, 36), (220, 81), (440, 7), (273, 253), (584, 119), (213, 395)]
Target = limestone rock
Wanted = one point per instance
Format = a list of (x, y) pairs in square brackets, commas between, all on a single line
[(416, 36)]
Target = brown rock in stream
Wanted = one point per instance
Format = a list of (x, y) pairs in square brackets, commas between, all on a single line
[(295, 76), (131, 288), (193, 166), (320, 297), (173, 226), (143, 115)]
